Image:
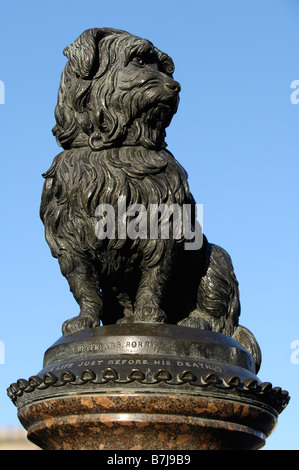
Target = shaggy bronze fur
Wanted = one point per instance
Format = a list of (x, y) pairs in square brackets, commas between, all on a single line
[(116, 98)]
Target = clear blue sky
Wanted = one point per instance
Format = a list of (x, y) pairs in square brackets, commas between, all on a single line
[(236, 133)]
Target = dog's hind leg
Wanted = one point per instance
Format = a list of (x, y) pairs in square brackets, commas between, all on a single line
[(84, 284)]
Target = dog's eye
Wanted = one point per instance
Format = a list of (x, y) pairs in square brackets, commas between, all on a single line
[(139, 61)]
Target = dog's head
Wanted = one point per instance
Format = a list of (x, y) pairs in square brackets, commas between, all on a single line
[(116, 89)]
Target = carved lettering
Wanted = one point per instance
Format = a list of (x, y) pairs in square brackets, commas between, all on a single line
[(200, 365), (97, 347)]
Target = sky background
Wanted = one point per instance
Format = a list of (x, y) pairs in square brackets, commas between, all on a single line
[(236, 133)]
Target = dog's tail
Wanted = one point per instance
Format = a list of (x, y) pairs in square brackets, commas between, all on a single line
[(244, 337)]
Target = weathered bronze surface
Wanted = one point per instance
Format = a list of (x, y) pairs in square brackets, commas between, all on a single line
[(171, 368), (116, 98), (147, 387)]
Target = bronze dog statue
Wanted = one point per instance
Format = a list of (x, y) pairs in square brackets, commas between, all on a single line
[(116, 98)]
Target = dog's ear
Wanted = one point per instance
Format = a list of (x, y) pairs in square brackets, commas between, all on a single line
[(83, 52)]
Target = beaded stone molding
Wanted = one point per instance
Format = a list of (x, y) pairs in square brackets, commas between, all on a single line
[(271, 396)]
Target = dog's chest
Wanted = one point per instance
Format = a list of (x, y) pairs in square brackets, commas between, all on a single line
[(140, 176)]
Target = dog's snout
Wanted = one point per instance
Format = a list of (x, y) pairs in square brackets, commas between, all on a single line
[(173, 85)]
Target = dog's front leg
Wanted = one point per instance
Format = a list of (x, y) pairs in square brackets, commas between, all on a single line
[(147, 305), (84, 284), (151, 290)]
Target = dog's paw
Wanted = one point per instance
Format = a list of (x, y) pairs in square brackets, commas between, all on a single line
[(76, 324), (149, 314)]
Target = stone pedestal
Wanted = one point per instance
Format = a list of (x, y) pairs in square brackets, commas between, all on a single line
[(147, 387)]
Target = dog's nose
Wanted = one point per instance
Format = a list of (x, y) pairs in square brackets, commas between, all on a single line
[(173, 85)]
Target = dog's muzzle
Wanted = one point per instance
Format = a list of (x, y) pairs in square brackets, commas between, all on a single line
[(174, 86)]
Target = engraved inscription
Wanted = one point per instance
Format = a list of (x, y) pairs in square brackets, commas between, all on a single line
[(129, 345), (97, 347), (141, 344), (201, 365), (105, 362)]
